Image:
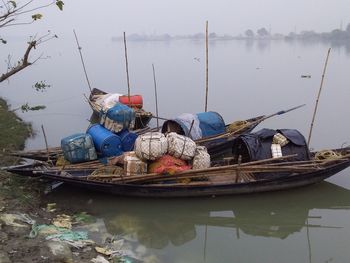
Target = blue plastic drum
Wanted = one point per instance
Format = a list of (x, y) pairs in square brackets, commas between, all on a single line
[(128, 140), (106, 142)]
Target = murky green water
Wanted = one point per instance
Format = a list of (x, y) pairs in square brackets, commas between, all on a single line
[(310, 224)]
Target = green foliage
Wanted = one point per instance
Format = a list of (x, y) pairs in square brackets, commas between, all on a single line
[(13, 131), (41, 86), (26, 107), (60, 4), (37, 16), (13, 3)]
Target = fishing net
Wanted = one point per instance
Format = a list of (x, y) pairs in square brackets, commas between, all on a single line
[(326, 155), (112, 170), (237, 125)]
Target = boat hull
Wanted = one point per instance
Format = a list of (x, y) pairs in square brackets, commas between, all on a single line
[(164, 191)]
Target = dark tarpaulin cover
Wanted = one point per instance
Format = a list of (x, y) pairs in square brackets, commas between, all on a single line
[(257, 146)]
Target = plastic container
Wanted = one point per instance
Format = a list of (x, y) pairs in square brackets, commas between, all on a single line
[(136, 101), (106, 142), (118, 118), (133, 165), (128, 140), (78, 148)]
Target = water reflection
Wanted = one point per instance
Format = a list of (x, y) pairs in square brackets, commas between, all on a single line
[(160, 223)]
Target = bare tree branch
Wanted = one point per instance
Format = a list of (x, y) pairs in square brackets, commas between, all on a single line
[(24, 63), (15, 11), (18, 24), (13, 14)]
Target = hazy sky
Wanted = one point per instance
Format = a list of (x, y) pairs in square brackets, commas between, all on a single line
[(112, 17)]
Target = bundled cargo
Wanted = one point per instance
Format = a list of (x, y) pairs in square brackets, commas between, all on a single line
[(201, 159), (78, 148), (151, 145), (108, 100), (181, 146), (106, 142), (168, 164), (118, 117), (135, 101), (133, 165)]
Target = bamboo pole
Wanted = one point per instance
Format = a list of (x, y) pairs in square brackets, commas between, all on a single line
[(318, 97), (206, 67), (82, 60), (127, 68), (155, 93), (46, 144)]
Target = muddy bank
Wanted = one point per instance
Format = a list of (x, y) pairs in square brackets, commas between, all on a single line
[(25, 215)]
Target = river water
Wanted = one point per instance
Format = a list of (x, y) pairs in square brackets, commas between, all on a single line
[(246, 79)]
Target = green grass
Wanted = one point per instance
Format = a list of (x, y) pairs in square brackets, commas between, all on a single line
[(13, 134)]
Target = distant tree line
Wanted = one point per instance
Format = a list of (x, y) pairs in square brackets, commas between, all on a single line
[(335, 34), (260, 34)]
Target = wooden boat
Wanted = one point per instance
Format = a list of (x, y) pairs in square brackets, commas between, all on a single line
[(222, 179), (142, 117), (217, 145)]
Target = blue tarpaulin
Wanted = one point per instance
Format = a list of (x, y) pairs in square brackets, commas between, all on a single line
[(204, 124), (211, 123)]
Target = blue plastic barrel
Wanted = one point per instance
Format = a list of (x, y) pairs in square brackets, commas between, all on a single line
[(128, 140), (78, 148), (211, 123), (118, 117), (106, 142)]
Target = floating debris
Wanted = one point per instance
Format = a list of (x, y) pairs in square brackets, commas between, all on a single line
[(9, 219), (51, 207)]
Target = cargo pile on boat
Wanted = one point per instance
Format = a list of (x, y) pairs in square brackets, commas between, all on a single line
[(110, 137), (151, 152), (171, 153), (101, 102)]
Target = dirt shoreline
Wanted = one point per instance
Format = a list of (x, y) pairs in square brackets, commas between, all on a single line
[(22, 196), (31, 229)]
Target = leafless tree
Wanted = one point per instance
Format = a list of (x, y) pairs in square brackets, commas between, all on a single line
[(25, 13)]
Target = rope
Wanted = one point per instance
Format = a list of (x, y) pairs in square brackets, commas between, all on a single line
[(114, 170), (236, 126), (327, 154)]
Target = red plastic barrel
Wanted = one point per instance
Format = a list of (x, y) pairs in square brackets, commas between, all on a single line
[(136, 101)]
